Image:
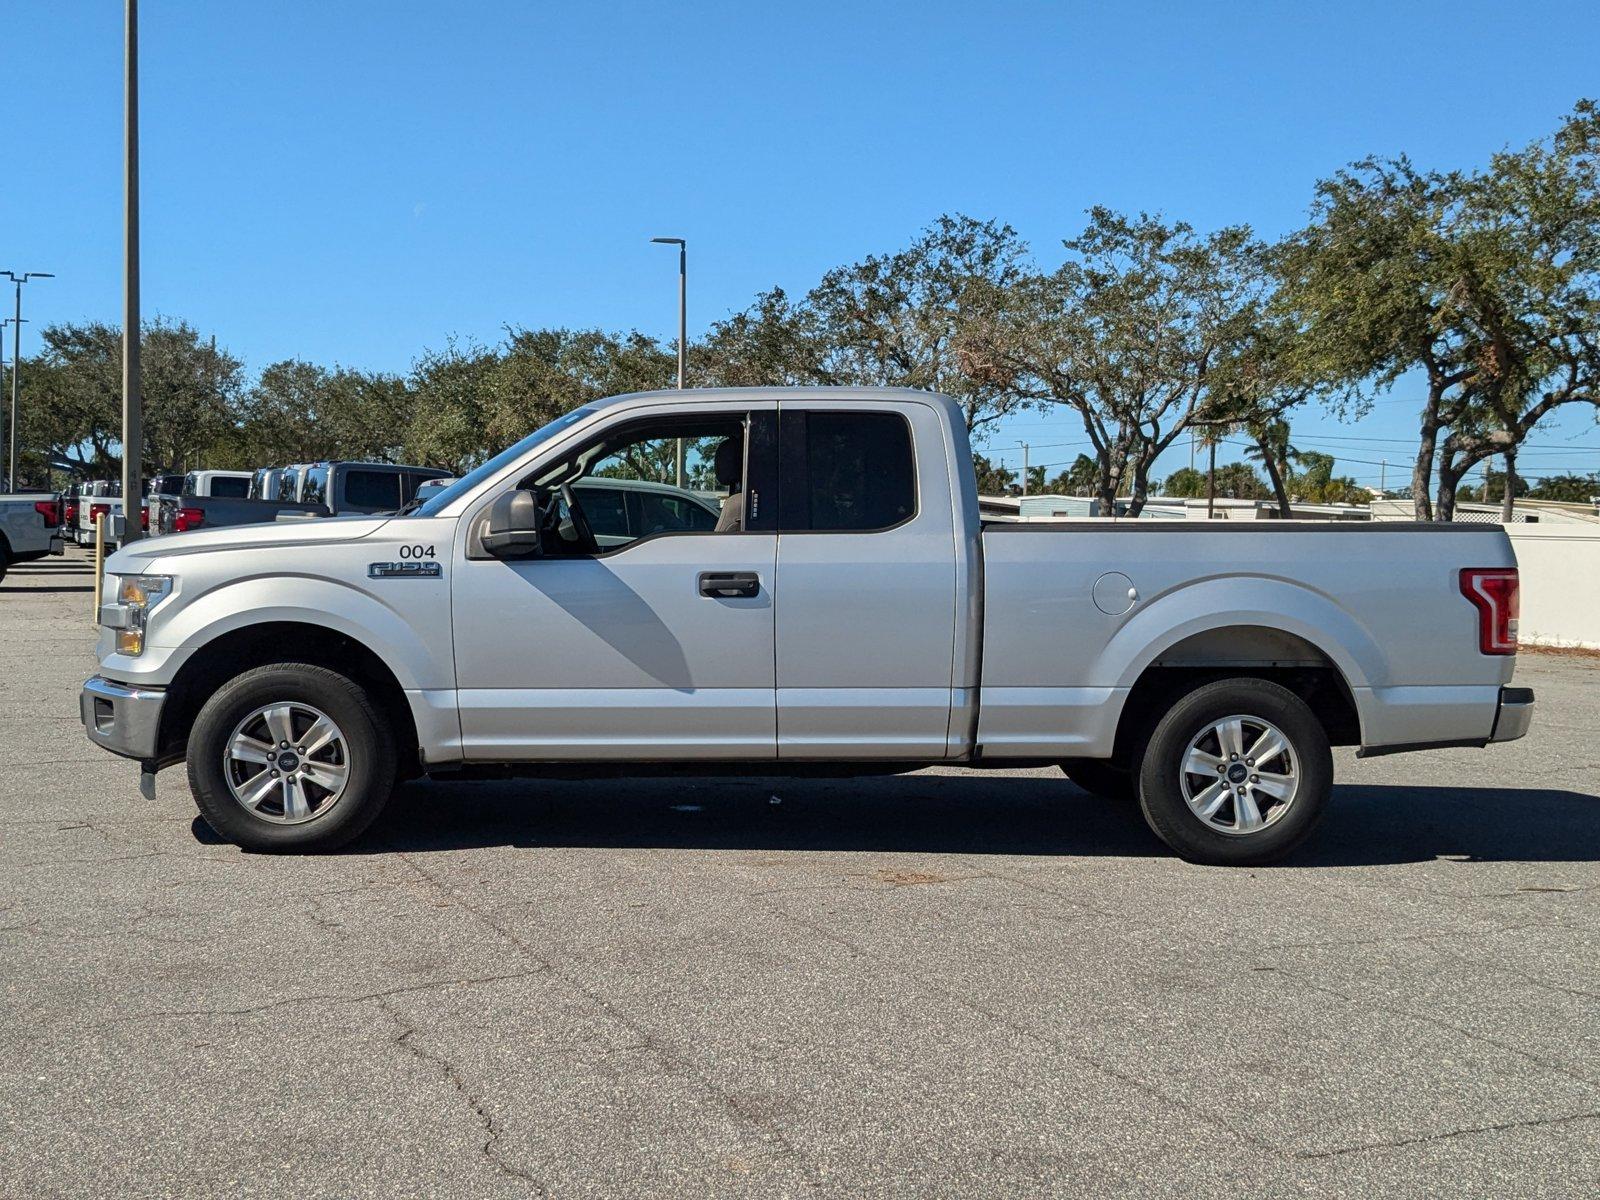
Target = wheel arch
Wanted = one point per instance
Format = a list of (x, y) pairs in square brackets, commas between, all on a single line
[(237, 650), (1225, 651)]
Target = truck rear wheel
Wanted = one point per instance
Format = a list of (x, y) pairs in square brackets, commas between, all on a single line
[(1236, 773), (290, 757)]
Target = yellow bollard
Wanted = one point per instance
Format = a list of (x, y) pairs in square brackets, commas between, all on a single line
[(99, 562)]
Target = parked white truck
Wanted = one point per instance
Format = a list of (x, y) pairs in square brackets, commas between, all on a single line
[(848, 612)]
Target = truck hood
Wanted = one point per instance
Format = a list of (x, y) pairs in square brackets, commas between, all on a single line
[(135, 558)]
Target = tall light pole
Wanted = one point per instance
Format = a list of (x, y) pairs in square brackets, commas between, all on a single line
[(683, 326), (12, 483), (13, 463), (16, 358), (132, 426)]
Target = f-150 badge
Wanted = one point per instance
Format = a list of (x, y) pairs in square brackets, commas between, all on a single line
[(404, 570)]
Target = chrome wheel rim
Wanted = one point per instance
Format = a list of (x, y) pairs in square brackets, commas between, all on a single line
[(287, 763), (1240, 775)]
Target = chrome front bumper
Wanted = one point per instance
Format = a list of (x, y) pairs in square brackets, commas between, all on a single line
[(126, 720), (1514, 716)]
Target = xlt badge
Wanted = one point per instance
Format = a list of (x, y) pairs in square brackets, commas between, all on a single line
[(404, 570)]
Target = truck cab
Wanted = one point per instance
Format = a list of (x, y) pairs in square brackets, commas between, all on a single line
[(792, 580)]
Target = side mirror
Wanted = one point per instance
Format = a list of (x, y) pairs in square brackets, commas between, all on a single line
[(512, 530)]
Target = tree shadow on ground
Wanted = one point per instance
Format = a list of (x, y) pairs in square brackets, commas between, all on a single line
[(964, 814)]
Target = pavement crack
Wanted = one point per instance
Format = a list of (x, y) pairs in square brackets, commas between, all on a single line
[(333, 997), (452, 1074), (1033, 1035), (1451, 1133), (768, 1128), (1429, 1019)]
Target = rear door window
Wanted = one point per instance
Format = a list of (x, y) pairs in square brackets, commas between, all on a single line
[(847, 471)]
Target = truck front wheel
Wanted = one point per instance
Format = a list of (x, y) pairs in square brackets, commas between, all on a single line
[(290, 757), (1236, 773)]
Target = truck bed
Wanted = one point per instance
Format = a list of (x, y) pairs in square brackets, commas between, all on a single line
[(1378, 602)]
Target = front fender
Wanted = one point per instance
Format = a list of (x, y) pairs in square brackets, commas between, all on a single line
[(415, 644)]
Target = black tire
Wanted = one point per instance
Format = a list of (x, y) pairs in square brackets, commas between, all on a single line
[(5, 559), (368, 752), (1161, 796), (1101, 778)]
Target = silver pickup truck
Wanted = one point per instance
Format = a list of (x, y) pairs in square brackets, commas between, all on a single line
[(30, 527), (847, 612)]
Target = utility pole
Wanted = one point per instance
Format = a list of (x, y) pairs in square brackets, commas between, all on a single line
[(1383, 477), (1211, 480), (3, 325), (1024, 446), (683, 329), (132, 425)]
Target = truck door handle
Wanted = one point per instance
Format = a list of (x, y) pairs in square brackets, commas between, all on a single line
[(726, 585)]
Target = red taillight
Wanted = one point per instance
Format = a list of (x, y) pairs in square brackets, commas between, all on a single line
[(189, 518), (1494, 593), (96, 511), (144, 519), (50, 511), (69, 513)]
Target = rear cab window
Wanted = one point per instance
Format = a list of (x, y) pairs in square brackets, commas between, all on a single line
[(315, 489), (230, 487), (369, 490), (846, 472)]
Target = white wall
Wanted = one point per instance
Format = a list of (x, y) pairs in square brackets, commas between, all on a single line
[(1560, 572)]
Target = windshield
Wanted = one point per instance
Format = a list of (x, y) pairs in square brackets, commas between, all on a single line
[(433, 503)]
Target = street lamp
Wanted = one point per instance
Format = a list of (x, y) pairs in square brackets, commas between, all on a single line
[(3, 324), (16, 360), (683, 324)]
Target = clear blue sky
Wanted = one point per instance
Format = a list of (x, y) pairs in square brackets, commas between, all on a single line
[(350, 181)]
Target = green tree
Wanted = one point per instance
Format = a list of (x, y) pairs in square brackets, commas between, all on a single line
[(917, 318), (1367, 286), (1483, 283), (1316, 483), (1528, 287), (1493, 489), (73, 410), (1239, 481), (1126, 333), (1572, 489), (993, 479), (1185, 482), (451, 391), (1079, 479), (1276, 456)]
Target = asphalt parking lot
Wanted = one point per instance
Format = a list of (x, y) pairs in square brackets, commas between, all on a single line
[(943, 984)]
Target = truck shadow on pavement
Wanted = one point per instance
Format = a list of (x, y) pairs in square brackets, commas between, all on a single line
[(61, 576), (1365, 824)]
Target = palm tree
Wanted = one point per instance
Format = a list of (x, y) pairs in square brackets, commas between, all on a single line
[(1273, 451)]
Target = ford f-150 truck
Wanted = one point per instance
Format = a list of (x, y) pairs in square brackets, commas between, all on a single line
[(848, 612), (30, 527)]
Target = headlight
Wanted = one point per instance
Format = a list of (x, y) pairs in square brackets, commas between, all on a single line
[(136, 596)]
